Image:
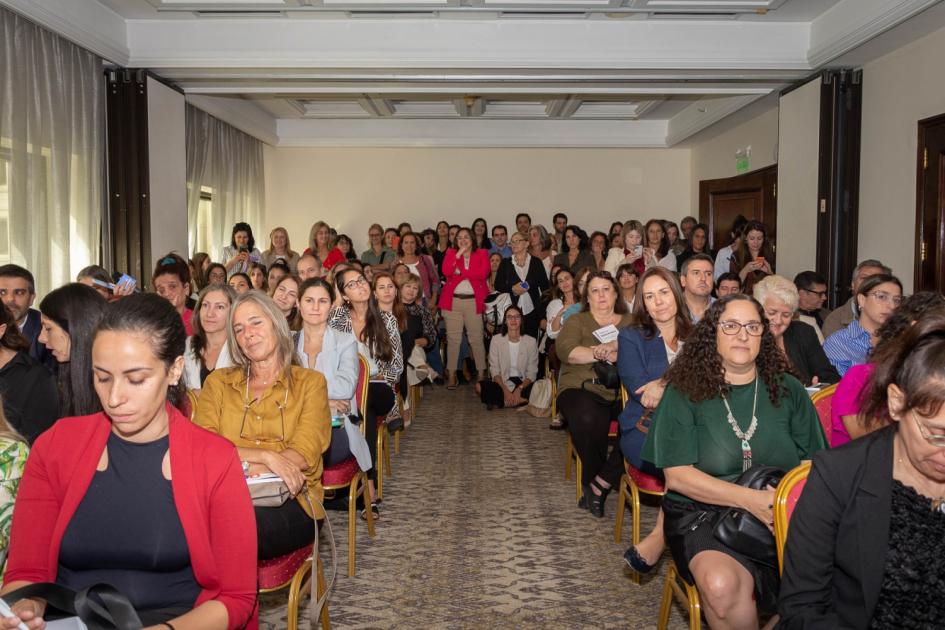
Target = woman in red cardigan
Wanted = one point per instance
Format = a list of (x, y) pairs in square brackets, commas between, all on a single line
[(466, 268), (137, 496)]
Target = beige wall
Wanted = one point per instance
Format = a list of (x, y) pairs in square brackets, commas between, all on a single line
[(899, 89), (713, 150), (798, 149), (352, 188), (167, 158)]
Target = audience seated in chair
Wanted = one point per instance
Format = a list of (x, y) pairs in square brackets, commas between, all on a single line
[(136, 495), (587, 407), (208, 348), (645, 350), (876, 298), (864, 549), (729, 368), (29, 392), (276, 413)]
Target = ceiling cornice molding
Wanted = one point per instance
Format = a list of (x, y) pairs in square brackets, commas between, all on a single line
[(415, 43), (242, 114), (88, 24), (702, 114), (852, 23), (472, 133)]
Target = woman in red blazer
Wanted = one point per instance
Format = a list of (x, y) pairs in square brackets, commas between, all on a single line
[(168, 520), (465, 268)]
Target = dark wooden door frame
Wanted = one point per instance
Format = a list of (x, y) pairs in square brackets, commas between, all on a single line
[(929, 236), (765, 179)]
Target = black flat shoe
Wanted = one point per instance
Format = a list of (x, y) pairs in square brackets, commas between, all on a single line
[(633, 558), (595, 502)]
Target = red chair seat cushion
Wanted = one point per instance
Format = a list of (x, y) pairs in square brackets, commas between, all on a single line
[(614, 428), (340, 474), (276, 572), (645, 482)]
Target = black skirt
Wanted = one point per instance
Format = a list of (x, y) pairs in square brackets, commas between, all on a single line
[(689, 530)]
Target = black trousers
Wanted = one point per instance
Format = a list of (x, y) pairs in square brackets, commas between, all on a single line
[(281, 530), (380, 400), (491, 392), (589, 417)]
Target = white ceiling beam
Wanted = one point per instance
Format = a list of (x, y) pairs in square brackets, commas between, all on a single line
[(376, 106), (643, 107), (563, 107), (471, 132), (89, 24), (702, 114), (425, 43), (850, 23), (290, 89), (245, 115), (470, 106)]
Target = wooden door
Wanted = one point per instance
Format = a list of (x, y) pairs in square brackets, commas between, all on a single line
[(930, 207), (752, 195)]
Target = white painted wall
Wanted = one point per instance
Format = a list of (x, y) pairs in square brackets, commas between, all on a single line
[(352, 188), (713, 150), (899, 89), (167, 161), (799, 146)]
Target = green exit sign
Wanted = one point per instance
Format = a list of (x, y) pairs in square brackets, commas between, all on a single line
[(743, 160)]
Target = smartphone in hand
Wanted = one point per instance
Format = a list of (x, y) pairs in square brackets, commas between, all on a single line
[(524, 284)]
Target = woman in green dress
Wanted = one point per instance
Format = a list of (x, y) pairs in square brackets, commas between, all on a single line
[(731, 403)]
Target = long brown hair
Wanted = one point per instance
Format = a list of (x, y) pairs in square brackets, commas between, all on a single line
[(698, 372), (374, 335), (397, 308), (199, 338), (12, 338), (642, 318)]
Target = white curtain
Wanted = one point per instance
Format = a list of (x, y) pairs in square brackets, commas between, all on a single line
[(52, 121), (226, 165)]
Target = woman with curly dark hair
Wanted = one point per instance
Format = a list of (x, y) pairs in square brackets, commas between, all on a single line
[(730, 404)]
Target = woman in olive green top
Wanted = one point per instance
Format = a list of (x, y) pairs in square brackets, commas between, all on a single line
[(587, 407), (731, 403)]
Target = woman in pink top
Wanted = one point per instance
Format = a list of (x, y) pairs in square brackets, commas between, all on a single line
[(845, 407), (465, 268)]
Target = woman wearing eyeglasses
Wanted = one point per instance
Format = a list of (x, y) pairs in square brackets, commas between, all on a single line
[(379, 341), (876, 298), (276, 413), (865, 547), (730, 404)]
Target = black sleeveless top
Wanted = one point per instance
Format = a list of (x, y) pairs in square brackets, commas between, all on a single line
[(126, 532)]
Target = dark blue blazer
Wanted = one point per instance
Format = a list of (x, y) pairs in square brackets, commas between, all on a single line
[(38, 351), (639, 361)]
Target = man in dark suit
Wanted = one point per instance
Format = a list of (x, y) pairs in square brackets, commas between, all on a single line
[(18, 292)]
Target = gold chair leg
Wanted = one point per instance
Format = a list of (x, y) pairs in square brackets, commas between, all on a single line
[(379, 464), (695, 607), (621, 507), (635, 522), (388, 471), (352, 524), (292, 622), (370, 513), (397, 442), (662, 622)]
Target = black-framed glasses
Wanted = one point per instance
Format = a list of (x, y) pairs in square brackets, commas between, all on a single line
[(350, 284), (820, 294), (935, 439), (247, 405), (731, 327)]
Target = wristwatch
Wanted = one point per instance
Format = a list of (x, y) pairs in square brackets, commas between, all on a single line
[(245, 468)]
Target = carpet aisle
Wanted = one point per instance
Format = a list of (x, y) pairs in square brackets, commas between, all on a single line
[(480, 529)]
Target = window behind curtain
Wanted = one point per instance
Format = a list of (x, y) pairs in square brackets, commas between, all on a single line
[(51, 152)]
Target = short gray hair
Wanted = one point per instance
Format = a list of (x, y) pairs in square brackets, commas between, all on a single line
[(777, 287), (285, 347), (869, 262)]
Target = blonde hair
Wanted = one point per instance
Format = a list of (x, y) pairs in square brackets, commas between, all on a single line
[(777, 287), (288, 245), (285, 348), (312, 232)]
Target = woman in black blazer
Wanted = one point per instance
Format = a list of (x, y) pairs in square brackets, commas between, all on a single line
[(509, 278), (866, 543)]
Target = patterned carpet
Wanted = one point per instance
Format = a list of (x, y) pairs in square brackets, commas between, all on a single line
[(480, 529)]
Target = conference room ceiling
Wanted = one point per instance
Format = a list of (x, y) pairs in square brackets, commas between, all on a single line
[(529, 73)]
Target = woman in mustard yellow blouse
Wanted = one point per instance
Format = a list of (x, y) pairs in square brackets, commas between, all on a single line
[(276, 413)]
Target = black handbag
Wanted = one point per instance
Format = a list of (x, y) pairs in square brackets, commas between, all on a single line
[(606, 375), (99, 607), (739, 530)]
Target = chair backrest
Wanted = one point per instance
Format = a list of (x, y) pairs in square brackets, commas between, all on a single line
[(822, 403), (624, 396), (188, 404), (785, 498), (364, 375)]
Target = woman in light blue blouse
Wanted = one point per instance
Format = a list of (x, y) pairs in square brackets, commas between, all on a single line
[(335, 355)]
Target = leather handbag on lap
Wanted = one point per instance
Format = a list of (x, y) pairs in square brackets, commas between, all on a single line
[(741, 531), (98, 607), (268, 491)]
